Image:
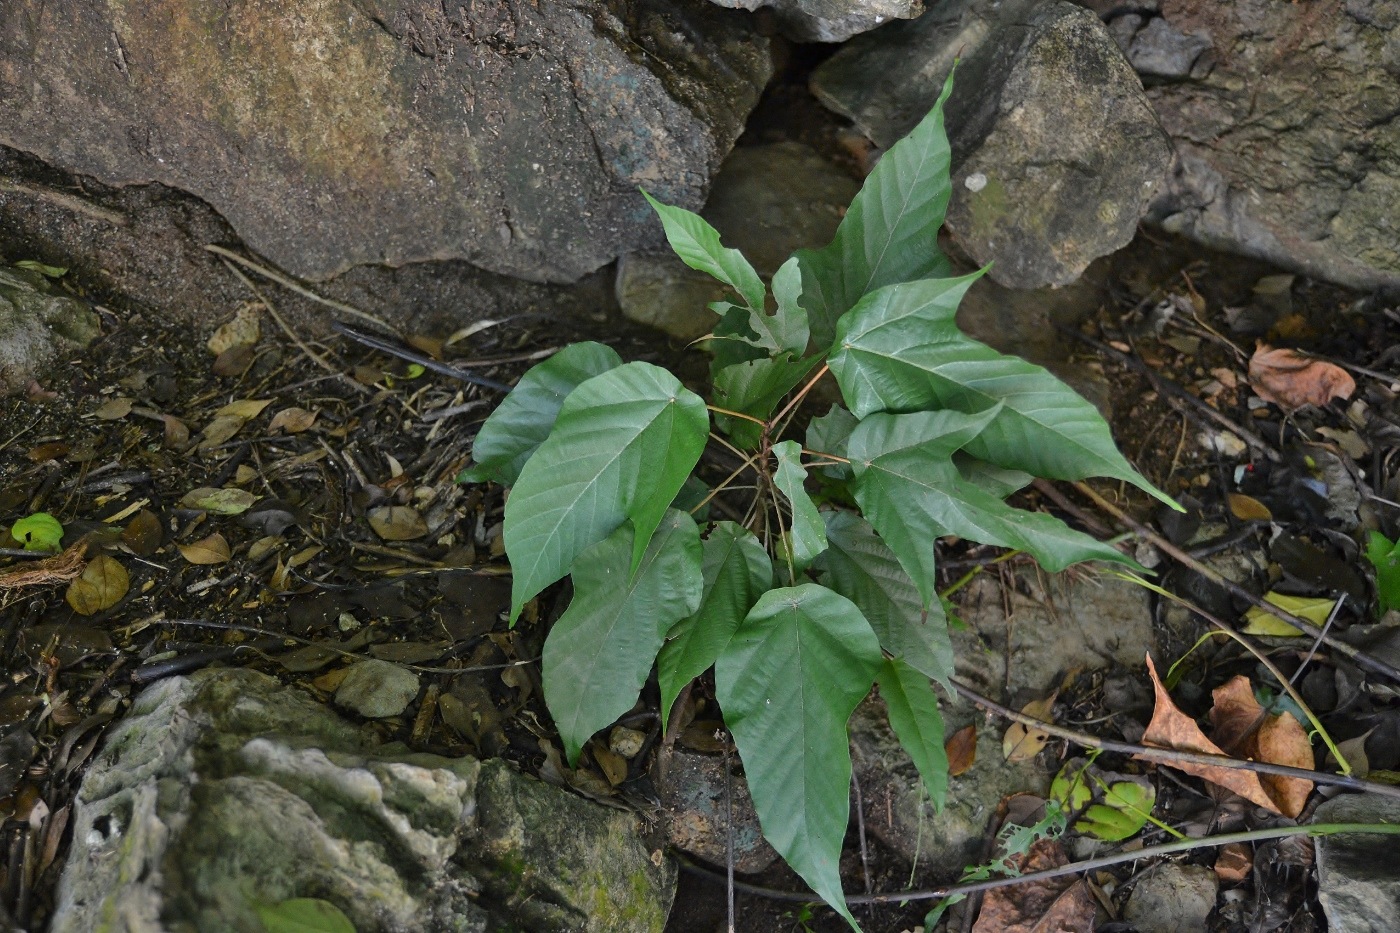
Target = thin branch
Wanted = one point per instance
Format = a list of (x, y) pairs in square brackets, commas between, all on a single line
[(736, 414), (301, 290), (801, 394)]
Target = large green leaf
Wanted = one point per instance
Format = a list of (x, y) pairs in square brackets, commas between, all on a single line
[(890, 231), (861, 567), (917, 723), (755, 388), (621, 449), (829, 434), (599, 653), (999, 481), (808, 533), (900, 349), (304, 915), (788, 682), (914, 495), (698, 246), (524, 418), (737, 571), (935, 432)]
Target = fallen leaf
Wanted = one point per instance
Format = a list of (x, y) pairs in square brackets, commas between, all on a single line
[(243, 329), (219, 430), (291, 421), (1352, 444), (1022, 743), (1051, 905), (961, 749), (1279, 739), (1248, 509), (1234, 863), (176, 434), (219, 501), (1354, 752), (1172, 729), (113, 409), (38, 532), (264, 546), (1312, 609), (613, 765), (50, 451), (304, 915), (234, 361), (102, 584), (247, 409), (397, 523), (1292, 380), (143, 534), (211, 550)]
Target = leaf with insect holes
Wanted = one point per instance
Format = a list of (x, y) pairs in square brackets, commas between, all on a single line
[(38, 532), (621, 449)]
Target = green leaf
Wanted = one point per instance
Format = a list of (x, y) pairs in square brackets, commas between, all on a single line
[(829, 434), (755, 389), (38, 532), (808, 532), (1384, 555), (1072, 790), (890, 231), (788, 681), (621, 449), (698, 246), (736, 571), (1124, 811), (304, 915), (900, 349), (940, 433), (524, 418), (999, 481), (34, 265), (599, 653), (693, 492), (859, 566), (917, 723), (916, 495)]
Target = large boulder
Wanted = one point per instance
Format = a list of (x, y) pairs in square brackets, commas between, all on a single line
[(512, 135), (1285, 121), (37, 325), (830, 20), (226, 791), (1056, 151)]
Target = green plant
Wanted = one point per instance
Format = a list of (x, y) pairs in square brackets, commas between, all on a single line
[(799, 610)]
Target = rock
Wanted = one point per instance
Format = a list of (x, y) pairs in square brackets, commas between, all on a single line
[(693, 794), (1171, 897), (1056, 151), (767, 202), (1287, 138), (377, 689), (37, 325), (511, 135), (830, 20), (1356, 878), (225, 789)]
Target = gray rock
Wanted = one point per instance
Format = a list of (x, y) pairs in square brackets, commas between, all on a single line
[(1170, 897), (1288, 142), (693, 793), (37, 325), (512, 135), (1357, 881), (830, 20), (226, 789), (767, 202), (377, 689), (1160, 50), (1056, 151)]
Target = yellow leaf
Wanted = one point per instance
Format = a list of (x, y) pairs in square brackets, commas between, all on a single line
[(1311, 608), (101, 586), (210, 550), (1248, 509), (1022, 743), (245, 409)]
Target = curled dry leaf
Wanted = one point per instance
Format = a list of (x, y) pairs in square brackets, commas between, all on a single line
[(101, 585), (1022, 743), (243, 329), (1051, 905), (1279, 739), (1234, 863), (397, 523), (176, 435), (1292, 380), (211, 550), (1173, 729), (291, 421), (113, 409), (961, 749)]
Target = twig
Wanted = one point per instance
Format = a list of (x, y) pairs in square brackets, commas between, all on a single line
[(1170, 755), (1073, 868), (301, 290), (427, 362), (860, 830), (1355, 655)]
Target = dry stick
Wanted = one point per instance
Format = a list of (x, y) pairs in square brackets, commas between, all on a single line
[(1360, 658), (1171, 755), (301, 290), (403, 353), (1073, 868)]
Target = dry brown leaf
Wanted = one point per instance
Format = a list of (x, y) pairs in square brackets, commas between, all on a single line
[(243, 329), (1052, 905), (245, 408), (1234, 862), (1248, 509), (1279, 740), (1022, 743), (291, 421), (233, 362), (100, 586), (113, 409), (1292, 380), (961, 749), (143, 534), (1173, 729), (397, 523), (50, 451), (176, 435), (613, 765), (219, 430), (206, 551)]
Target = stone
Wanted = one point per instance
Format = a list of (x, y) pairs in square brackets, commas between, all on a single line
[(1286, 131), (377, 689), (1357, 883), (1170, 897), (511, 135), (226, 789), (767, 202), (830, 20), (1056, 150), (37, 326), (698, 818)]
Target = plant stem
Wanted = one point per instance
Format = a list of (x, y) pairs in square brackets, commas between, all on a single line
[(724, 485), (735, 414), (801, 394)]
